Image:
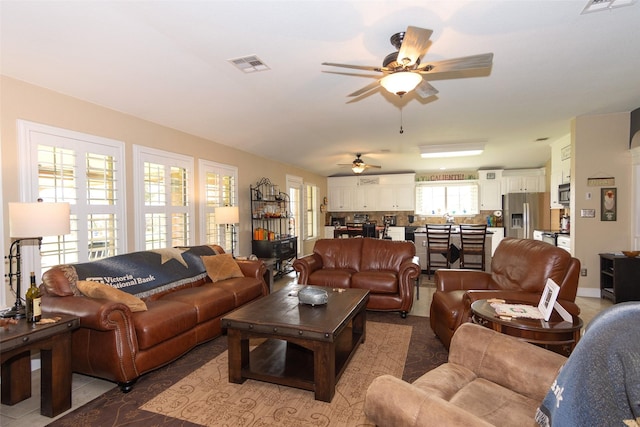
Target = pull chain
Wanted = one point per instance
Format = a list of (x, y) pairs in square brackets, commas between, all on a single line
[(401, 130)]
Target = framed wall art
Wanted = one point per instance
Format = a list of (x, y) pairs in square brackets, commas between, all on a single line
[(608, 204)]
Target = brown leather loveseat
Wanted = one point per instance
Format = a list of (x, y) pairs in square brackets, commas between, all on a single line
[(388, 269), (519, 271), (180, 296)]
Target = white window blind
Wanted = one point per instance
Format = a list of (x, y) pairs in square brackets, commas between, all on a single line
[(217, 188), (437, 199)]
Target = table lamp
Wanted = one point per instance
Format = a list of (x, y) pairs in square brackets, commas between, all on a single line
[(32, 221), (228, 215)]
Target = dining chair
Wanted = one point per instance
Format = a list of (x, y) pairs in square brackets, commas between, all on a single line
[(472, 253), (438, 247)]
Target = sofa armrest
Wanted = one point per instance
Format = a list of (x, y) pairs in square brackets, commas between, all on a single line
[(409, 271), (448, 280), (254, 268), (94, 313), (517, 365), (392, 402), (307, 265)]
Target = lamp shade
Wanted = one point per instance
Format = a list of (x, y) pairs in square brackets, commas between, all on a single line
[(401, 82), (38, 219), (227, 215)]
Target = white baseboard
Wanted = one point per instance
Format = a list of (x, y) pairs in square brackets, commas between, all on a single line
[(589, 292)]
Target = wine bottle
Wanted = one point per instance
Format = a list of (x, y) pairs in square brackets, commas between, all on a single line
[(34, 299)]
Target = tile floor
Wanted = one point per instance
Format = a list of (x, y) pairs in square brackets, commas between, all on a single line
[(85, 389)]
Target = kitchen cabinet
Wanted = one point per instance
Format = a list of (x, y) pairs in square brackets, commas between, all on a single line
[(523, 181), (341, 193), (371, 193), (619, 278), (498, 235), (490, 182), (328, 231), (560, 168)]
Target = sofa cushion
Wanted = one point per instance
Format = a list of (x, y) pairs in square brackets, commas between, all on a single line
[(332, 277), (163, 320), (221, 267), (209, 302), (243, 289), (377, 282), (380, 254), (341, 254), (100, 290)]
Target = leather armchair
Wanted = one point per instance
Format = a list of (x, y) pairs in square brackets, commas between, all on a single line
[(519, 270), (490, 379)]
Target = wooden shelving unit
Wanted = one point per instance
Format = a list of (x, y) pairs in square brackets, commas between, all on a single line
[(619, 278)]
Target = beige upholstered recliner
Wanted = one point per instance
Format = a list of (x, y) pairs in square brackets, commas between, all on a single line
[(490, 380)]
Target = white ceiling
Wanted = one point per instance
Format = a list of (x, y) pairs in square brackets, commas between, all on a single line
[(167, 62)]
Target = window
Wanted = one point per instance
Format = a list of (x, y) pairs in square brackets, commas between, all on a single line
[(87, 172), (311, 213), (163, 200), (438, 199), (217, 188), (295, 189)]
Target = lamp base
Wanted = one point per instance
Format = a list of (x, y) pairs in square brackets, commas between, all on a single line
[(18, 312)]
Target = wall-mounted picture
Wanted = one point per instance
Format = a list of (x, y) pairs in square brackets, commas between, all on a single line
[(608, 204)]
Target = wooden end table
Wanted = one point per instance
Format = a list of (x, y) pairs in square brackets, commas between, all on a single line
[(53, 340), (556, 334), (306, 347)]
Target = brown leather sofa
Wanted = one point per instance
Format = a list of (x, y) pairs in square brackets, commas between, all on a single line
[(519, 270), (388, 269), (119, 345), (490, 379)]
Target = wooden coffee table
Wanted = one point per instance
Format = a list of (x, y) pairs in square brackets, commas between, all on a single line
[(556, 334), (305, 346)]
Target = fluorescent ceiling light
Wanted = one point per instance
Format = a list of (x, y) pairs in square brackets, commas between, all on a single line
[(401, 82), (451, 150)]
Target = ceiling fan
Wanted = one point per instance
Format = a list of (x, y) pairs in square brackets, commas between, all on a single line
[(403, 71), (358, 165)]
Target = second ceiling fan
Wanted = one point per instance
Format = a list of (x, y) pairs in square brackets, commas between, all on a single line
[(403, 71), (358, 165)]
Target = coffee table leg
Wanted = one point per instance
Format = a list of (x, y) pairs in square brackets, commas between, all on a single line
[(238, 355), (324, 375)]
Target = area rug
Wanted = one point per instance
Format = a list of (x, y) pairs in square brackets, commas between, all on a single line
[(207, 398), (115, 408)]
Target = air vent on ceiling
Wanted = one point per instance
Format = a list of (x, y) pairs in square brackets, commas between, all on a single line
[(249, 64), (598, 5)]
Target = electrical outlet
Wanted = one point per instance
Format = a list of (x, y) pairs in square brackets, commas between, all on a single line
[(583, 272)]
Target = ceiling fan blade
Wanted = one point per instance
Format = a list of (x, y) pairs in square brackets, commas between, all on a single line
[(457, 64), (414, 45), (425, 90), (366, 89), (355, 67), (372, 166)]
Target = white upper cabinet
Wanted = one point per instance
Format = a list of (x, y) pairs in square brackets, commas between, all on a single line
[(490, 182), (560, 168), (523, 181), (372, 193)]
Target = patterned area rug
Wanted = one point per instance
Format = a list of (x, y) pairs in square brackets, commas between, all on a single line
[(115, 408), (206, 397)]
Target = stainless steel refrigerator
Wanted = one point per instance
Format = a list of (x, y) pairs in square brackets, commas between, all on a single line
[(523, 213)]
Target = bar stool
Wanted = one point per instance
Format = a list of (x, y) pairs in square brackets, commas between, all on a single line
[(438, 247), (472, 238)]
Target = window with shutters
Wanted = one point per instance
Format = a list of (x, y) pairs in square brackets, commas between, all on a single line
[(311, 213), (87, 172), (163, 199), (218, 188), (437, 199)]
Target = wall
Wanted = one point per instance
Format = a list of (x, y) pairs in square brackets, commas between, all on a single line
[(20, 100), (601, 148)]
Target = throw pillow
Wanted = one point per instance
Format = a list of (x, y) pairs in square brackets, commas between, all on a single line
[(221, 267), (100, 290)]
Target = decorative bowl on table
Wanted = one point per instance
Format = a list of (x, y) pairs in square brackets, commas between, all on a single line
[(313, 296), (631, 254)]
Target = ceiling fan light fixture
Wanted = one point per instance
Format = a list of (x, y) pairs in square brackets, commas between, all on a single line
[(401, 82), (451, 150), (358, 167)]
